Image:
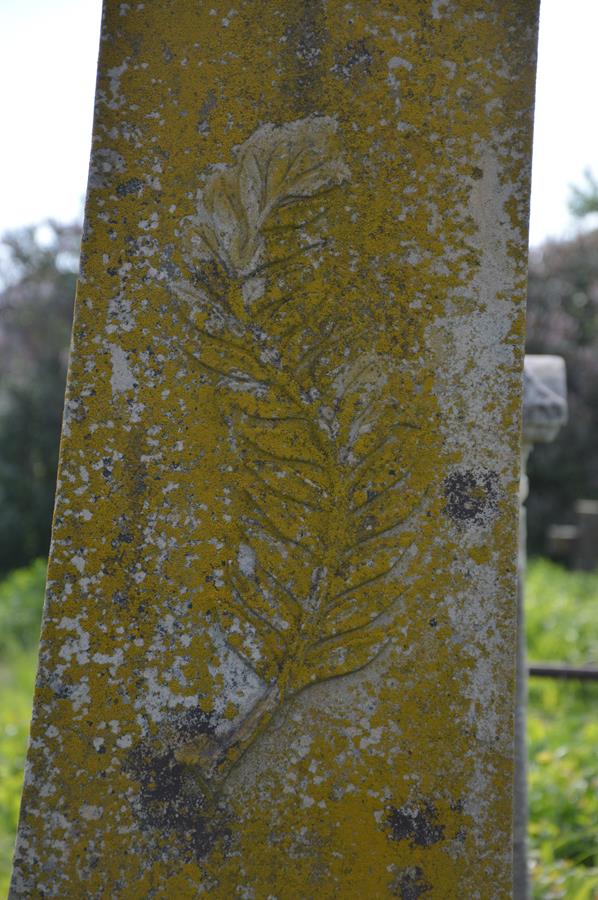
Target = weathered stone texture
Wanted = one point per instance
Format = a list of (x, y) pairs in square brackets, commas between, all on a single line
[(278, 647)]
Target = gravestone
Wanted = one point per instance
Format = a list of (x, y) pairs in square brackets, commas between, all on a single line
[(576, 546), (561, 542), (586, 550), (545, 412), (278, 647)]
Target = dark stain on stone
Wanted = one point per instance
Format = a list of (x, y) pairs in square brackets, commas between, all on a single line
[(124, 537), (418, 825), (204, 112), (461, 835), (171, 799), (409, 884), (60, 689), (306, 37), (477, 173), (132, 186), (355, 60), (470, 495)]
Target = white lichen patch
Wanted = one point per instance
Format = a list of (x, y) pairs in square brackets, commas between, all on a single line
[(122, 379)]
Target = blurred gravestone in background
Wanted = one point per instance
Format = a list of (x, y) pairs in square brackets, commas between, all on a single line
[(585, 556), (37, 291), (576, 546), (562, 319)]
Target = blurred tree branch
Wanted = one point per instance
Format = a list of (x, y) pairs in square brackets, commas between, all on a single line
[(584, 199)]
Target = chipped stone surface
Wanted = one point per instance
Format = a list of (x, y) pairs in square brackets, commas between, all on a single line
[(278, 645)]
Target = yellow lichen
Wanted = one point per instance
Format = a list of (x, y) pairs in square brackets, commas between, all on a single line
[(283, 245)]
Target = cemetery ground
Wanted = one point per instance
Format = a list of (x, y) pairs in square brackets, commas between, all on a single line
[(562, 724)]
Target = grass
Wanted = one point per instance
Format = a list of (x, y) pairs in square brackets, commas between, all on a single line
[(21, 598), (16, 675), (562, 625)]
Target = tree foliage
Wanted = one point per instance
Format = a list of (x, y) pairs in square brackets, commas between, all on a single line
[(584, 200), (36, 302)]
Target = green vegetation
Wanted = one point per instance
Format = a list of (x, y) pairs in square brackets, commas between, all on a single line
[(563, 723), (562, 626), (21, 599)]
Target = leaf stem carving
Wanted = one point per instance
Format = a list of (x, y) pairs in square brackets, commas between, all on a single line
[(303, 407)]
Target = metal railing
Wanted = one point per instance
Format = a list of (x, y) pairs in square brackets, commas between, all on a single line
[(556, 670)]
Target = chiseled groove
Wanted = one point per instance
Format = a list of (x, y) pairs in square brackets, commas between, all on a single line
[(369, 581), (376, 617), (379, 494), (249, 611), (225, 263), (280, 494), (281, 260), (311, 485), (382, 532), (276, 419), (294, 226), (290, 460), (281, 587), (242, 379), (272, 307), (345, 672), (275, 529)]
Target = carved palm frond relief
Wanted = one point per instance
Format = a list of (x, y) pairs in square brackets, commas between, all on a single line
[(315, 420), (274, 168)]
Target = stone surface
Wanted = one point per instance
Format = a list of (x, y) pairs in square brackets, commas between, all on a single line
[(279, 639)]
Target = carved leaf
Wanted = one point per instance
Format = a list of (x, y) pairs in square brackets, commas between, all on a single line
[(322, 448), (324, 498), (275, 167)]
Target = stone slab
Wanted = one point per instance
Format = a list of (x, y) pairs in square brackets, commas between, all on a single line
[(277, 657)]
